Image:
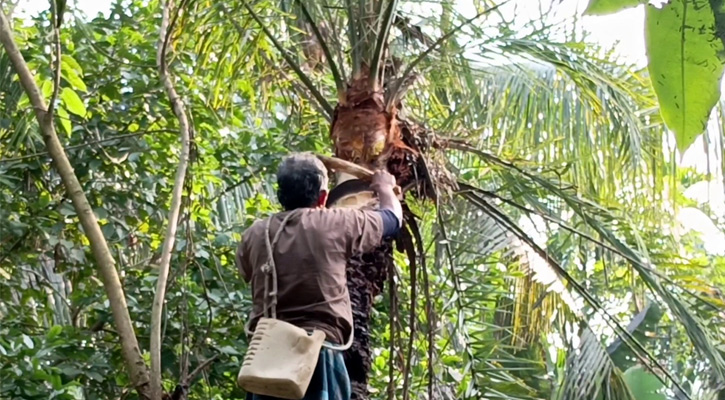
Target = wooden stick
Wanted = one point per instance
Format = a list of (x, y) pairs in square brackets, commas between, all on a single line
[(340, 165), (360, 172)]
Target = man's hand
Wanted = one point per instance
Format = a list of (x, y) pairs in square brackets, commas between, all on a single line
[(383, 184), (382, 180)]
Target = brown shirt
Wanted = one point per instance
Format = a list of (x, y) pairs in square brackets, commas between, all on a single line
[(310, 259)]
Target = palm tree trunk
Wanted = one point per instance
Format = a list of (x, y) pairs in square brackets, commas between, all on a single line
[(366, 274), (366, 132)]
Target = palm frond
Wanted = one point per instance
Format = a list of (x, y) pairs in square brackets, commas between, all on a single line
[(578, 288), (354, 38), (381, 43), (591, 374), (467, 248), (326, 49), (542, 101), (283, 52), (394, 95), (587, 211), (530, 314)]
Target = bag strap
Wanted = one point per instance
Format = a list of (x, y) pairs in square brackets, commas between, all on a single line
[(270, 274), (270, 269), (344, 346)]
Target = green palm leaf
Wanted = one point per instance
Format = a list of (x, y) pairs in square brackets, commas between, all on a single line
[(591, 373)]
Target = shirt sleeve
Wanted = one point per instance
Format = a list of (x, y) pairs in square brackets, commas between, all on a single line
[(242, 260), (391, 225)]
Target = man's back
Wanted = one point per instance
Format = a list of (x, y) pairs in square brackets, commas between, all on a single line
[(310, 258)]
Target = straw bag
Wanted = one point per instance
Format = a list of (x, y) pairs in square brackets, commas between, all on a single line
[(281, 357)]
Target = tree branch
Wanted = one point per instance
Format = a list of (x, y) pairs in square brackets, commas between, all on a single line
[(201, 367), (135, 365), (175, 209), (55, 22), (86, 144)]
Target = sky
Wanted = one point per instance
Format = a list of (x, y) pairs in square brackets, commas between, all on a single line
[(626, 28), (90, 7), (623, 31)]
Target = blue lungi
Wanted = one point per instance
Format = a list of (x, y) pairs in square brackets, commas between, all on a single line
[(330, 380)]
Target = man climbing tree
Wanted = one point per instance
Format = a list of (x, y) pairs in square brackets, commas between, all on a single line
[(309, 256)]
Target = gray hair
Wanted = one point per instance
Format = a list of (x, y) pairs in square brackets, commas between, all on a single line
[(300, 179)]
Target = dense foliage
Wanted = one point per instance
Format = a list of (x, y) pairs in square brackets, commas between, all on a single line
[(554, 269)]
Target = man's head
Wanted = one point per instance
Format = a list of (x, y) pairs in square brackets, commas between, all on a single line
[(302, 181)]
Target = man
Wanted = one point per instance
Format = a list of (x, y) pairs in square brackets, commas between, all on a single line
[(310, 257)]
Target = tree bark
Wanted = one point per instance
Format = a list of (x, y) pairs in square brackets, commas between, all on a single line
[(131, 353), (366, 275), (176, 194)]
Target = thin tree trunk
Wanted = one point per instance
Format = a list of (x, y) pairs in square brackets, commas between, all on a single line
[(176, 194), (135, 365)]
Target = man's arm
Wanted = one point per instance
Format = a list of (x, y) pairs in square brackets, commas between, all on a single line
[(390, 208), (363, 230), (242, 259)]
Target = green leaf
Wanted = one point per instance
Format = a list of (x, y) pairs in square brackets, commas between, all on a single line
[(46, 88), (95, 376), (72, 102), (72, 63), (28, 341), (70, 370), (229, 350), (71, 74), (684, 64), (643, 384), (54, 331), (43, 200), (603, 7), (64, 119), (642, 323), (67, 210)]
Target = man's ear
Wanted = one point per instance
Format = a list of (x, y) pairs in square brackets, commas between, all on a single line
[(322, 200)]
